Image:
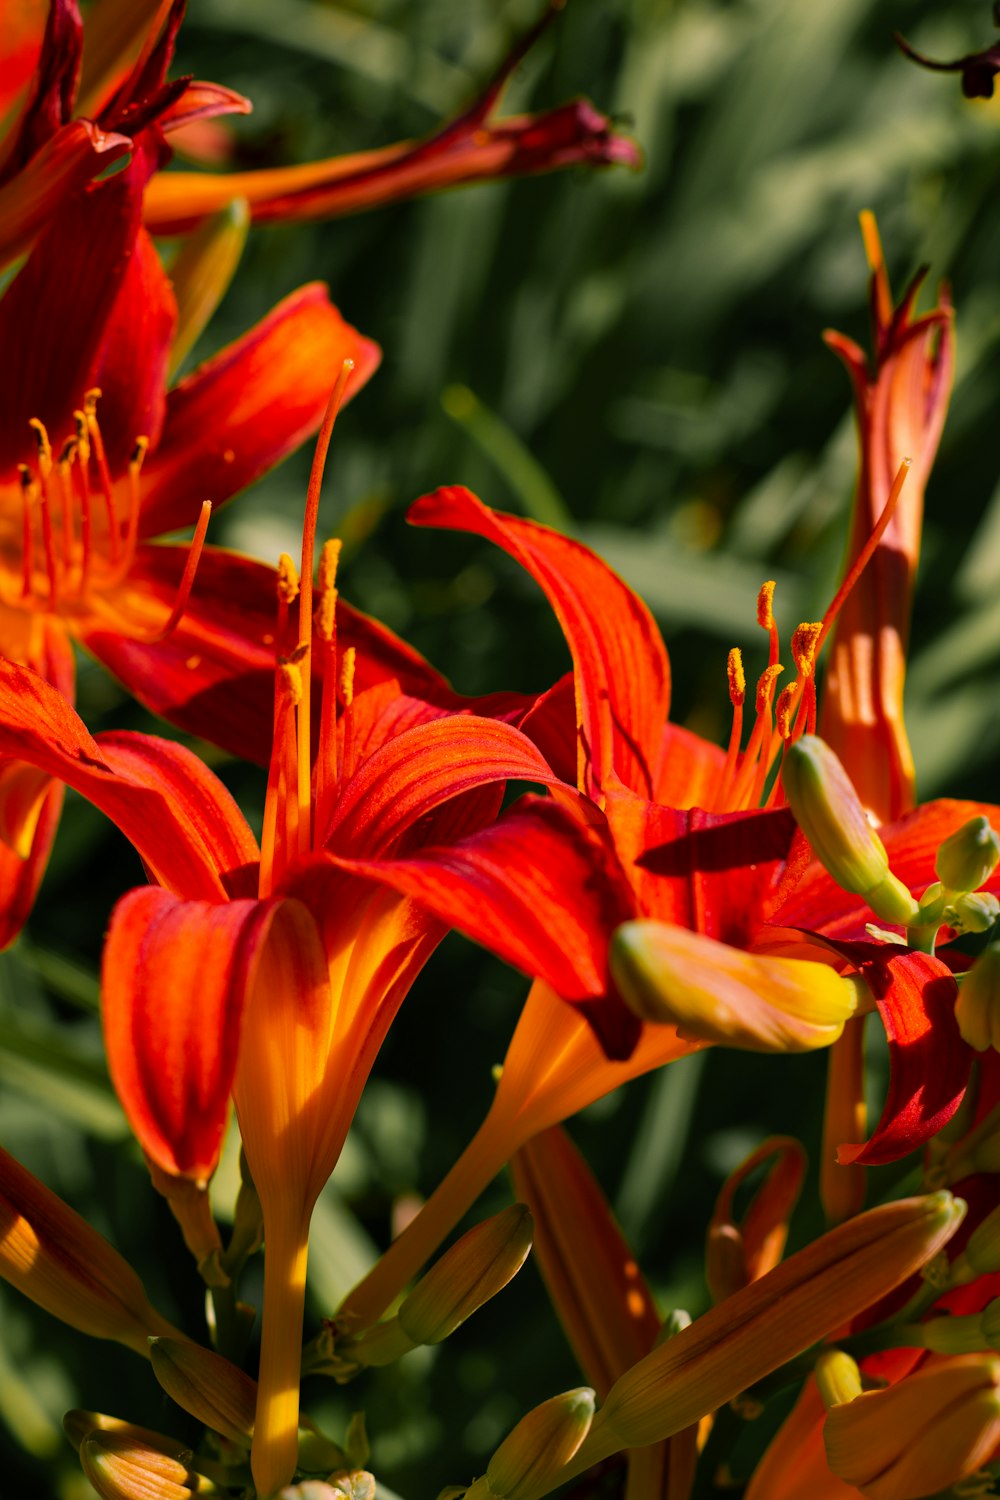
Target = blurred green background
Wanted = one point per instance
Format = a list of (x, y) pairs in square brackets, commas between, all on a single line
[(637, 357)]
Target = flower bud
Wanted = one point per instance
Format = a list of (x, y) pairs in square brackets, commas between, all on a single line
[(967, 859), (530, 1458), (921, 1435), (123, 1468), (830, 814), (206, 1385), (80, 1425), (716, 993), (476, 1267), (977, 1009), (769, 1322), (981, 1255), (975, 912), (838, 1378), (973, 1334), (53, 1256)]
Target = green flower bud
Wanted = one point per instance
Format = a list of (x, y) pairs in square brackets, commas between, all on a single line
[(838, 1378), (977, 1009), (974, 912), (967, 859), (830, 814), (476, 1267), (528, 1461)]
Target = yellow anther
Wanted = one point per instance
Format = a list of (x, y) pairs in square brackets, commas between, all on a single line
[(765, 686), (737, 677), (291, 681), (288, 579), (44, 446), (765, 599), (68, 451), (326, 614), (26, 477), (328, 560), (82, 436), (90, 400), (805, 638), (346, 683), (784, 709), (138, 453)]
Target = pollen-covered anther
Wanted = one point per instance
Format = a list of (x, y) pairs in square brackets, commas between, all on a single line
[(765, 686), (784, 709), (805, 639), (288, 579), (737, 677), (291, 681), (765, 602), (346, 683), (43, 445)]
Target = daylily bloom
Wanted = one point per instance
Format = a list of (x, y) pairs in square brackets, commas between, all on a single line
[(740, 875), (114, 78), (901, 407), (82, 406), (273, 974), (472, 147)]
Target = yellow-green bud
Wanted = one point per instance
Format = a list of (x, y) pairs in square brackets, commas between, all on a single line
[(974, 912), (977, 1009), (967, 859), (830, 814), (969, 1335), (838, 1378), (123, 1468), (981, 1256), (206, 1385), (528, 1461), (476, 1267)]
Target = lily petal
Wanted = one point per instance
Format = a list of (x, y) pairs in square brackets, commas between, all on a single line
[(929, 1061), (179, 817), (622, 671), (53, 87), (174, 979), (67, 161), (250, 406)]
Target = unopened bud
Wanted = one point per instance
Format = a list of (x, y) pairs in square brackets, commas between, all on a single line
[(53, 1256), (206, 1385), (123, 1468), (830, 814), (981, 1255), (973, 1334), (771, 1321), (975, 912), (530, 1459), (476, 1267), (838, 1378), (716, 993), (967, 859), (356, 1484), (977, 1009), (80, 1425), (921, 1435)]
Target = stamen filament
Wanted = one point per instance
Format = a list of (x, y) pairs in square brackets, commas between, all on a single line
[(126, 557), (29, 494), (187, 577), (864, 556), (327, 766), (90, 401), (305, 605), (737, 695), (64, 481), (288, 588)]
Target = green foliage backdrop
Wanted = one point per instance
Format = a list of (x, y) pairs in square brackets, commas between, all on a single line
[(638, 358)]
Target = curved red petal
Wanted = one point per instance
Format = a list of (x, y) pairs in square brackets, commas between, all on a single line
[(174, 979), (622, 670), (690, 769), (184, 824), (214, 674), (53, 87), (56, 309), (538, 887), (929, 1062), (202, 101), (243, 411), (66, 163), (410, 776), (132, 371)]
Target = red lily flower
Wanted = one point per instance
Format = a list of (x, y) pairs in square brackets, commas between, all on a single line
[(275, 974), (737, 876), (901, 408), (82, 405), (47, 154), (473, 147)]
